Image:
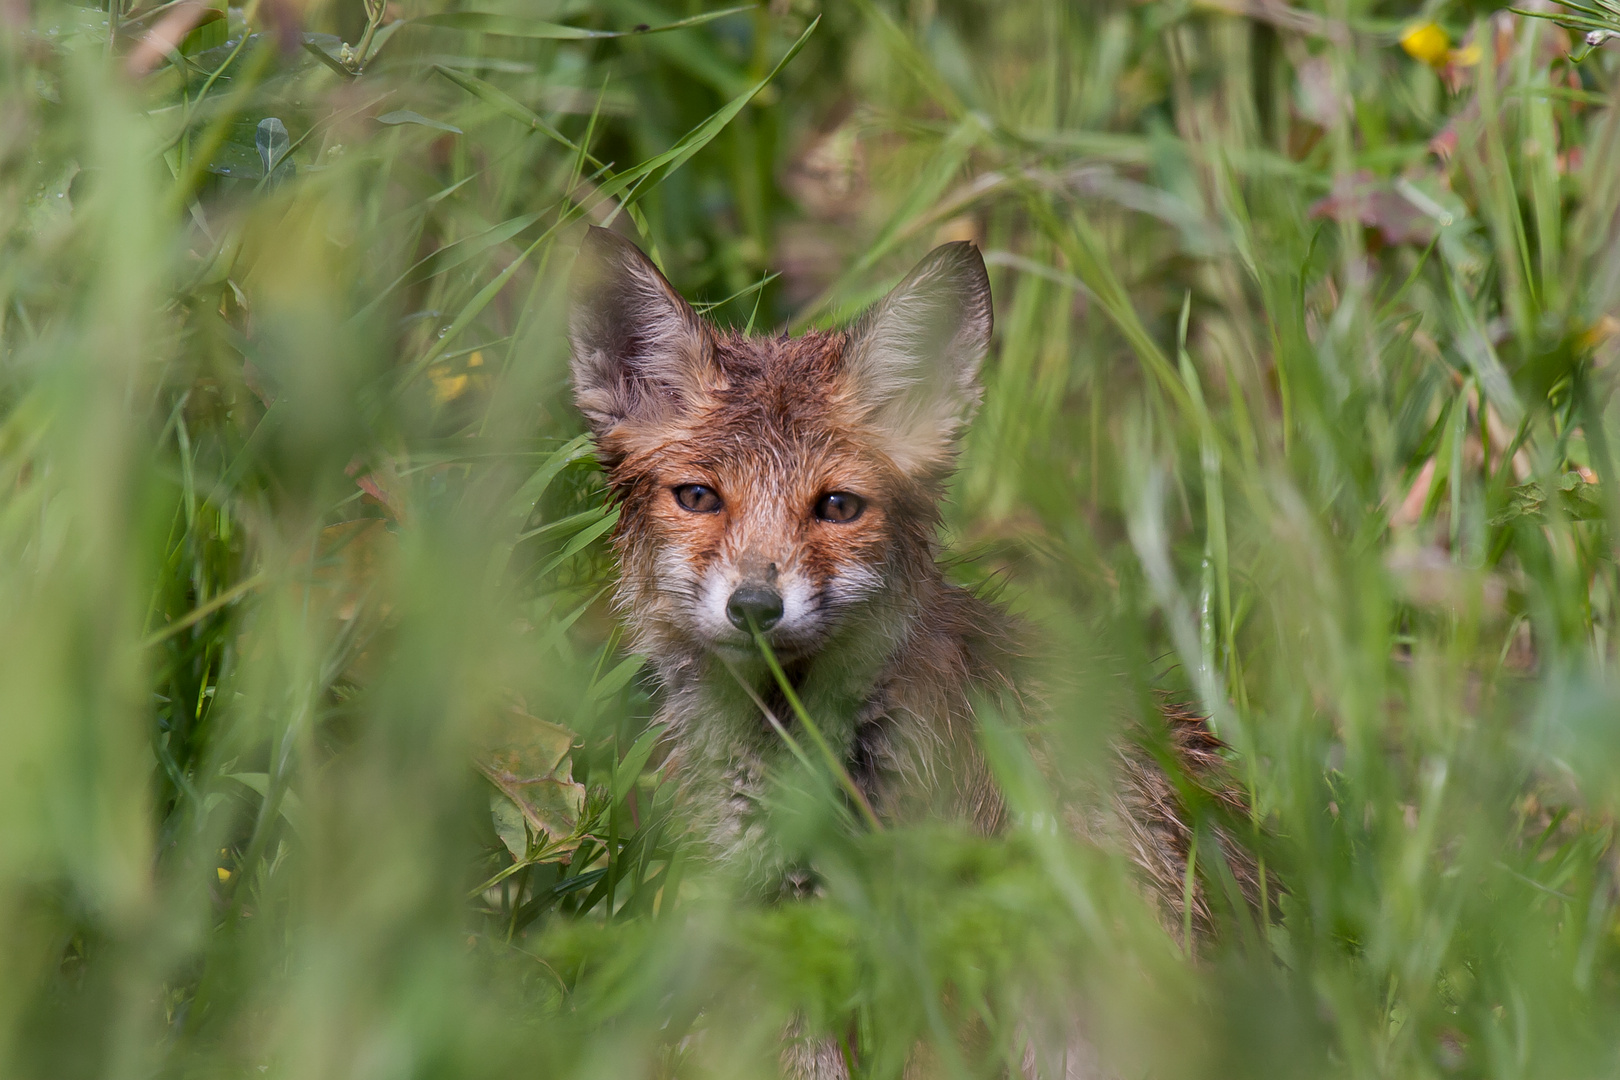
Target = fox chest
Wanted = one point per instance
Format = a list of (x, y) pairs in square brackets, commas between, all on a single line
[(731, 746)]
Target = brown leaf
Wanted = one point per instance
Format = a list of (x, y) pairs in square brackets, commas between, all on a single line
[(529, 748), (350, 559), (382, 484), (528, 763), (550, 807)]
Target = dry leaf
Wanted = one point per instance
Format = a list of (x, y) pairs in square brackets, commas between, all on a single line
[(529, 765)]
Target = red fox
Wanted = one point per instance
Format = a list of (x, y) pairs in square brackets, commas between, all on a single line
[(793, 485), (794, 482)]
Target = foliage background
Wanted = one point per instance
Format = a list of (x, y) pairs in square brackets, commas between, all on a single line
[(322, 758)]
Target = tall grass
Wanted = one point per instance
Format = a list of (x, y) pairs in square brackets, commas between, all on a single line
[(320, 754)]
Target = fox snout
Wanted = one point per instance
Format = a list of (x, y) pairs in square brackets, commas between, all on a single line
[(754, 607), (751, 565)]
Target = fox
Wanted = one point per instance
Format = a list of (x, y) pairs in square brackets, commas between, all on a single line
[(792, 487)]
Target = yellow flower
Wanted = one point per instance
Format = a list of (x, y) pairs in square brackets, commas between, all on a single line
[(1426, 42), (1599, 332), (446, 387), (224, 874)]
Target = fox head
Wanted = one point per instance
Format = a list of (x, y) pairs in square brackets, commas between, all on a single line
[(788, 484)]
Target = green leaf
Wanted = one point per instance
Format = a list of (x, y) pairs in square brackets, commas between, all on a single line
[(929, 183), (292, 808), (481, 22), (615, 680), (580, 541), (563, 526), (454, 254), (521, 504), (697, 55), (509, 823), (318, 51), (210, 33), (405, 116), (475, 307), (911, 59), (650, 172), (505, 103), (270, 138), (1577, 499), (629, 768), (236, 161)]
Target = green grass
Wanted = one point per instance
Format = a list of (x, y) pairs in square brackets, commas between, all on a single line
[(319, 751)]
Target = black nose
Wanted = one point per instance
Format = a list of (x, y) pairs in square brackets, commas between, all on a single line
[(759, 603)]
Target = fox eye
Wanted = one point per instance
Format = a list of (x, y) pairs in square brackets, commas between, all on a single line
[(839, 506), (698, 499)]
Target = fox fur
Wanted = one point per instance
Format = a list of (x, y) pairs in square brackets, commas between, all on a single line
[(884, 652)]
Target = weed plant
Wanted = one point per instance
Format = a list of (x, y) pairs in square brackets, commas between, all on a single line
[(320, 754)]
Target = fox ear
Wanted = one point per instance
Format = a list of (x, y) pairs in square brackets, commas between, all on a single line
[(640, 353), (912, 360)]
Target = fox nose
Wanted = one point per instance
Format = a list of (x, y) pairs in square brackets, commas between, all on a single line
[(759, 603)]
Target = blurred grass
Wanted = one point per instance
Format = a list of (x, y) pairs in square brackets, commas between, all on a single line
[(321, 753)]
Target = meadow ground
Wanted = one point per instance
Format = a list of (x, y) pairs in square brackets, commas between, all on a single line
[(319, 752)]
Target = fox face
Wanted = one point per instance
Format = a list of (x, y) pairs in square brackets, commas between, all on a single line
[(785, 485)]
